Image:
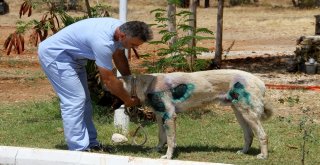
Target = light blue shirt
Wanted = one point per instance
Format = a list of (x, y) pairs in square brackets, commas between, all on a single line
[(91, 38)]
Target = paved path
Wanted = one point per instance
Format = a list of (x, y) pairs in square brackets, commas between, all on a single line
[(34, 156)]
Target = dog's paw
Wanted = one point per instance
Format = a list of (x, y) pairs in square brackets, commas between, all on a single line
[(240, 152), (166, 157), (261, 156)]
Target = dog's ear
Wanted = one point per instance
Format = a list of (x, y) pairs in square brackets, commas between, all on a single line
[(110, 100)]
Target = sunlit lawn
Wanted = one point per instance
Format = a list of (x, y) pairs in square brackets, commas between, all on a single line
[(206, 136)]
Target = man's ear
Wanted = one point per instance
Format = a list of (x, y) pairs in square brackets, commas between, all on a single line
[(122, 36)]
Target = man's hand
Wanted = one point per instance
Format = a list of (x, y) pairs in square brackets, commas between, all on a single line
[(134, 101)]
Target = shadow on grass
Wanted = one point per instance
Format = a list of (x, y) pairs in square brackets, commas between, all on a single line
[(180, 149), (61, 146), (132, 148), (198, 148)]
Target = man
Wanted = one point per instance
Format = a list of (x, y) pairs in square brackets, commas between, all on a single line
[(63, 57)]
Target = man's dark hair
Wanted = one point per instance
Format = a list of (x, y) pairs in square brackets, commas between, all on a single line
[(137, 29)]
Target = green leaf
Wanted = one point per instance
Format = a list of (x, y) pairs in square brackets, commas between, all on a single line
[(156, 42), (160, 20), (204, 30), (158, 10), (184, 27), (177, 2), (184, 13), (202, 38), (188, 20), (182, 41), (152, 24), (145, 55), (167, 36), (23, 26), (163, 31), (201, 49), (162, 26)]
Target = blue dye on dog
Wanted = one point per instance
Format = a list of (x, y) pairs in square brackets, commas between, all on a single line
[(238, 93), (179, 94), (154, 99)]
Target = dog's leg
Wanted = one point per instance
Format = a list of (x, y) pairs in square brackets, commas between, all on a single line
[(169, 125), (253, 121), (247, 131), (161, 103), (170, 129), (161, 133), (250, 106)]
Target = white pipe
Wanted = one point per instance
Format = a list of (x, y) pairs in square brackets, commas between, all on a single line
[(121, 120), (123, 10)]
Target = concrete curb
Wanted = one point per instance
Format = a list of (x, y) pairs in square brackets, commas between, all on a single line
[(35, 156)]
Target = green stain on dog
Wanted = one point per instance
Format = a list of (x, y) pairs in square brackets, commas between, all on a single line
[(165, 116), (181, 92), (238, 93), (155, 100)]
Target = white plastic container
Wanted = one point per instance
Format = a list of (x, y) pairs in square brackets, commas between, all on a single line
[(121, 121), (311, 68)]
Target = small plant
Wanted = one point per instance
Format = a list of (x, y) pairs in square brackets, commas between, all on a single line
[(15, 41), (175, 55), (290, 100), (49, 21), (26, 7), (306, 127)]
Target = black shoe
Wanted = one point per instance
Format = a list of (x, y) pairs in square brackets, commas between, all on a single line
[(100, 148)]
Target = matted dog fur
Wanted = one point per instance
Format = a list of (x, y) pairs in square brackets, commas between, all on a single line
[(171, 93)]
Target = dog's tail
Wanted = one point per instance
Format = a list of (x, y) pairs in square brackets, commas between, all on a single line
[(268, 111)]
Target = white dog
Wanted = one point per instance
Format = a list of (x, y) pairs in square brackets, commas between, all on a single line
[(171, 93)]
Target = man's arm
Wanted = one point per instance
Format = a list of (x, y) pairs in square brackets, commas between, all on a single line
[(115, 86), (121, 62)]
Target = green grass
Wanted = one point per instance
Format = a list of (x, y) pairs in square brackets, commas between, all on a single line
[(205, 136)]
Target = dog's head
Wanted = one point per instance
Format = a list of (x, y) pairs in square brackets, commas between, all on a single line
[(138, 85)]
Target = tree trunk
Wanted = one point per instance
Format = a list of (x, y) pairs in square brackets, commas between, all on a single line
[(197, 3), (184, 3), (294, 3), (317, 27), (171, 9), (218, 52), (206, 3), (193, 23), (88, 8)]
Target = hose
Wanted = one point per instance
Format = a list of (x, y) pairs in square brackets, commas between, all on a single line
[(293, 87)]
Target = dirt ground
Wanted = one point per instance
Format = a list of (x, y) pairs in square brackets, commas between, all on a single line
[(268, 31)]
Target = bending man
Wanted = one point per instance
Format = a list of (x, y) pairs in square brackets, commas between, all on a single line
[(63, 57)]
